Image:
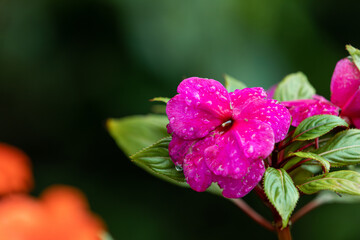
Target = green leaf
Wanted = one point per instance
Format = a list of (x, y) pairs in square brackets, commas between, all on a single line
[(137, 132), (156, 160), (300, 175), (343, 149), (355, 55), (281, 191), (346, 181), (232, 84), (325, 164), (316, 126), (293, 87), (160, 99), (330, 197)]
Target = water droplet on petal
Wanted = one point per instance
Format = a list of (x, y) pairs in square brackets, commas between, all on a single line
[(188, 101), (251, 149), (212, 89)]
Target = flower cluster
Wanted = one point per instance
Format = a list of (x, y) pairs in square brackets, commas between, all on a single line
[(61, 213), (345, 97), (223, 137), (15, 170), (345, 90)]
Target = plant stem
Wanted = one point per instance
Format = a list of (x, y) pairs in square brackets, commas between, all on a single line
[(253, 214), (304, 210), (284, 234), (316, 143), (298, 164)]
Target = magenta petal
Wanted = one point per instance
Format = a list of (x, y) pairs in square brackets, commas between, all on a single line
[(271, 91), (344, 82), (356, 122), (196, 172), (200, 106), (352, 107), (236, 149), (271, 112), (302, 109), (237, 188), (240, 97), (178, 148)]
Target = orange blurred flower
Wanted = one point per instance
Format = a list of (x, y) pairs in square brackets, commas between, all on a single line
[(61, 213), (15, 170)]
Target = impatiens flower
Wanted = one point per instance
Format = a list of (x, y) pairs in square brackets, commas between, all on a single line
[(223, 137), (305, 108), (345, 90), (61, 213), (15, 170)]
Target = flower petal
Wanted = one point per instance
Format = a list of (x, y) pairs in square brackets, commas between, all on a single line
[(178, 148), (270, 112), (196, 172), (344, 82), (239, 98), (356, 122), (302, 109), (271, 91), (352, 107), (237, 188), (200, 107), (236, 149)]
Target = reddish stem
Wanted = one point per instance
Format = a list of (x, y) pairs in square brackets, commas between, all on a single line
[(306, 209), (305, 147), (316, 143), (284, 234), (298, 164), (253, 214)]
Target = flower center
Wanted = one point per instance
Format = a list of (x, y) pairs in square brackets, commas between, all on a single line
[(227, 123)]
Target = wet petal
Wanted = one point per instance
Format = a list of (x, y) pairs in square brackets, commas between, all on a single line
[(239, 98), (302, 109), (236, 149), (178, 148), (237, 188), (196, 172), (356, 122), (344, 82), (271, 112), (200, 106), (352, 107)]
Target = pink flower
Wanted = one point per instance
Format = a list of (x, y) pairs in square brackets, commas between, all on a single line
[(305, 108), (222, 137), (345, 90)]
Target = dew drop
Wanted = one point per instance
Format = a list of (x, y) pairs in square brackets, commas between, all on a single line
[(212, 89), (251, 149), (178, 168), (188, 101)]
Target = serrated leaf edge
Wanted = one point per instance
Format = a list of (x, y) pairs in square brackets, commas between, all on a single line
[(319, 177), (295, 137), (267, 196), (143, 165)]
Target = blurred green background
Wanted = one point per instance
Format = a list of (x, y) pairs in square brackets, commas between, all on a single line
[(66, 66)]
